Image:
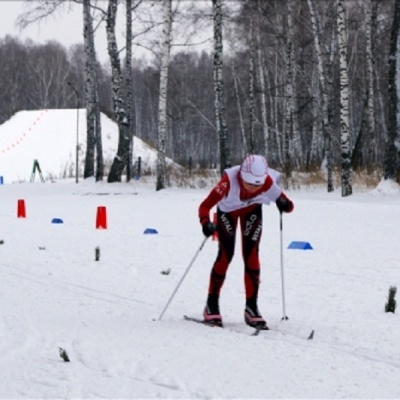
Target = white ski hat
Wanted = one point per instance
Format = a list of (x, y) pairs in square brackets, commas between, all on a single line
[(254, 169)]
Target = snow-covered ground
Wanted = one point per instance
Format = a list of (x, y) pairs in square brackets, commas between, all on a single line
[(105, 314), (50, 137)]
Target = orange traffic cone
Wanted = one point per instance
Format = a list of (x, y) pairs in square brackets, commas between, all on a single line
[(21, 210), (101, 218)]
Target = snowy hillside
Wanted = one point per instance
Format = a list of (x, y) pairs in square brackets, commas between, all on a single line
[(50, 136)]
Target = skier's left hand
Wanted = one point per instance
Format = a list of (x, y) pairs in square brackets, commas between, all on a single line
[(208, 229), (284, 204)]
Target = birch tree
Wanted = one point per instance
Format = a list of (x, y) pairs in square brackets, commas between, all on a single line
[(277, 130), (90, 66), (121, 118), (239, 110), (93, 124), (43, 70), (129, 86), (344, 101), (364, 151), (378, 51), (370, 33), (162, 102), (391, 167), (43, 9), (326, 128), (263, 103), (296, 150), (219, 101), (99, 172), (252, 142), (288, 132)]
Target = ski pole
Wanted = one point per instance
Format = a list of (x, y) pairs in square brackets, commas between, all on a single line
[(183, 277), (282, 270)]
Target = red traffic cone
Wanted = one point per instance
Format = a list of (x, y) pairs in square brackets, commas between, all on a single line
[(101, 218), (215, 234), (21, 210)]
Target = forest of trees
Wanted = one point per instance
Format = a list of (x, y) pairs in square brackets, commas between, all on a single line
[(307, 83)]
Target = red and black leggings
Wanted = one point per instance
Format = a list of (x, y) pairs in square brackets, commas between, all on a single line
[(250, 219)]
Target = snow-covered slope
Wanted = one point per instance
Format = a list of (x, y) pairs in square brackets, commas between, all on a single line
[(105, 313), (50, 136)]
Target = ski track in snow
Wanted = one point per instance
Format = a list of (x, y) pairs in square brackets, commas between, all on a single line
[(105, 314)]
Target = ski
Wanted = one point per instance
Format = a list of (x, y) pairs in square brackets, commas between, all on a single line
[(256, 331), (202, 321), (259, 329)]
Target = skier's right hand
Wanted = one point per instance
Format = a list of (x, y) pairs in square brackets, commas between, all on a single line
[(209, 228)]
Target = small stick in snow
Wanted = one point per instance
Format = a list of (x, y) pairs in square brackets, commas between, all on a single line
[(64, 355)]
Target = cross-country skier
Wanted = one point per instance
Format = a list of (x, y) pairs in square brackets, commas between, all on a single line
[(239, 196)]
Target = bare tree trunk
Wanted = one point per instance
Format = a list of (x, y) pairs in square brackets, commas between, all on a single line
[(219, 101), (93, 121), (162, 105), (90, 66), (370, 17), (344, 101), (382, 127), (129, 88), (252, 141), (364, 153), (271, 143), (277, 128), (288, 132), (357, 156), (119, 161), (313, 154), (391, 155), (264, 140), (242, 128), (327, 130), (330, 90), (99, 141), (296, 148)]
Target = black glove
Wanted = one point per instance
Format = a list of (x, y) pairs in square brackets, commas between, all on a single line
[(284, 204), (209, 228)]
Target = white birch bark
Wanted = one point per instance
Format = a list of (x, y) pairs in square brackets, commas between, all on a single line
[(260, 69), (239, 109), (313, 155), (162, 103), (344, 101), (296, 148), (219, 101), (370, 76), (278, 131), (90, 73), (119, 162), (288, 133), (327, 131), (253, 147), (391, 161), (129, 86)]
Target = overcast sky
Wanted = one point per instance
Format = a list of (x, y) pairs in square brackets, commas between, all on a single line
[(66, 29)]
